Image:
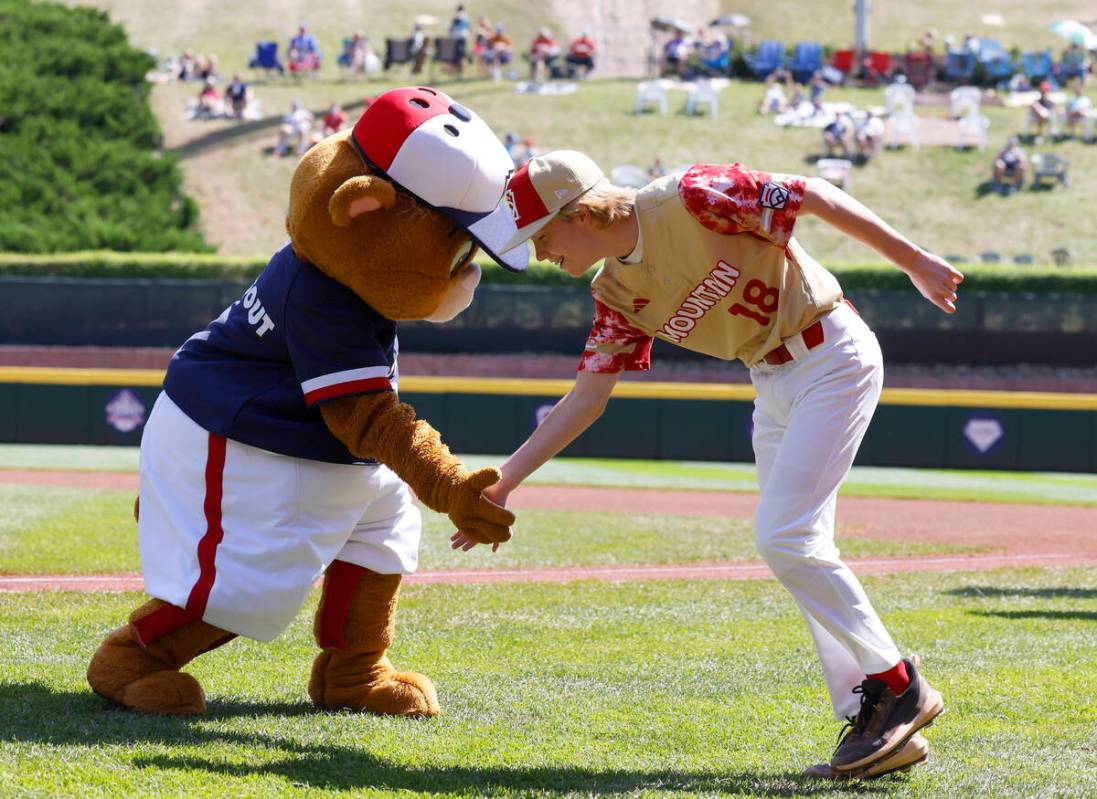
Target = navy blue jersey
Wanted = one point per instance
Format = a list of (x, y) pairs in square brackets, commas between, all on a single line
[(295, 339)]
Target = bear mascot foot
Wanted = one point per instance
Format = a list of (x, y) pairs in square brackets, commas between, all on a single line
[(146, 676), (354, 627)]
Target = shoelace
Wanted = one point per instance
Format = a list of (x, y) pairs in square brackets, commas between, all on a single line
[(855, 725)]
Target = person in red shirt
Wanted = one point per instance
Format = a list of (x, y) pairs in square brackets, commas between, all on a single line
[(580, 55), (542, 55), (334, 119)]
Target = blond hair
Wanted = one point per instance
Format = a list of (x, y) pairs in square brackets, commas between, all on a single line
[(605, 203)]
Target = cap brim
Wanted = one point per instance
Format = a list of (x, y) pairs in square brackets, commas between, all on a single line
[(529, 231), (494, 233)]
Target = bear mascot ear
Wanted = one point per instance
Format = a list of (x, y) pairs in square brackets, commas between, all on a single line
[(360, 195)]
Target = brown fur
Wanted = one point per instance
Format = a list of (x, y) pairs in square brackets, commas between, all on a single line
[(401, 258), (147, 678), (360, 677)]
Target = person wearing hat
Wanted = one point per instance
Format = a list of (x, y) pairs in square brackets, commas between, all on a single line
[(543, 52), (1041, 112), (706, 259)]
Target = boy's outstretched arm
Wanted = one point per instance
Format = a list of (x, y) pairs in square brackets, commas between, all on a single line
[(934, 277), (573, 414)]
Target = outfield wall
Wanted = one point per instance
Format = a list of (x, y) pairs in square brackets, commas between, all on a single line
[(673, 421), (988, 327)]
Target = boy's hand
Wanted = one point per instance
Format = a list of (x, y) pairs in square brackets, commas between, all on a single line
[(479, 520), (935, 279)]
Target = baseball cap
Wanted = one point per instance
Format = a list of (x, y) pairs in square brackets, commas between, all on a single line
[(543, 186), (447, 157)]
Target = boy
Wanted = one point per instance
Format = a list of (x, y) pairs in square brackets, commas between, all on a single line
[(706, 259)]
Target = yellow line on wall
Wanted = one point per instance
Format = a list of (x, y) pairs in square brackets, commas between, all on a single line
[(557, 388)]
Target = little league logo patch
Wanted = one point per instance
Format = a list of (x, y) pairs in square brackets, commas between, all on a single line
[(125, 412), (773, 196), (639, 303)]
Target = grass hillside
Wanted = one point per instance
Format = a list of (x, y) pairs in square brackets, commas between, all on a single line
[(932, 195)]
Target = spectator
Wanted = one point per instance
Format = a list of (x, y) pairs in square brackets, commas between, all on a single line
[(187, 68), (580, 55), (836, 136), (460, 26), (510, 142), (675, 53), (207, 69), (296, 124), (816, 86), (303, 54), (868, 135), (482, 46), (1040, 112), (500, 49), (418, 49), (236, 97), (928, 41), (358, 57), (1078, 107), (716, 56), (1073, 65), (657, 170), (773, 99), (543, 52), (1009, 167), (334, 120), (527, 153), (970, 46), (209, 102)]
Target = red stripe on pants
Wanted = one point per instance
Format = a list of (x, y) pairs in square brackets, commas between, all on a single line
[(169, 617)]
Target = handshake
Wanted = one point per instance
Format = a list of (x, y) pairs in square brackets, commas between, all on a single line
[(477, 511)]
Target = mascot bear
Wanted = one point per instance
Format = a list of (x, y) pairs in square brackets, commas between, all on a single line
[(278, 450)]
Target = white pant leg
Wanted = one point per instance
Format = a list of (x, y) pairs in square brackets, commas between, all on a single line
[(245, 563), (824, 401), (386, 538)]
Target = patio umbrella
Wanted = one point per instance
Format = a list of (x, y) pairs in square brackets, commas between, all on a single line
[(731, 21), (670, 24), (1074, 32)]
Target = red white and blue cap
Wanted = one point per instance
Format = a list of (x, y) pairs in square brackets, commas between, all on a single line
[(545, 185), (447, 157)]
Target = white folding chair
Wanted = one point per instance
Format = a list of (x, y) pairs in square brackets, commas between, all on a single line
[(902, 128), (899, 99), (702, 93), (972, 131), (651, 92), (964, 100)]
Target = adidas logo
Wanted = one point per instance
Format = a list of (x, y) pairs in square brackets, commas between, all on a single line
[(639, 303)]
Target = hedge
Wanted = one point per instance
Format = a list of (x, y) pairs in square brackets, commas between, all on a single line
[(197, 266), (80, 164)]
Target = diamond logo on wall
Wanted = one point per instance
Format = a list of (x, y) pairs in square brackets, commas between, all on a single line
[(125, 412), (983, 433)]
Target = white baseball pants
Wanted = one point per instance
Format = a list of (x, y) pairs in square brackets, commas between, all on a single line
[(810, 416), (237, 535)]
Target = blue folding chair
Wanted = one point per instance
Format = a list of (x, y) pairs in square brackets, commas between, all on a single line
[(959, 67), (807, 59), (771, 54), (266, 58), (1037, 66), (997, 65)]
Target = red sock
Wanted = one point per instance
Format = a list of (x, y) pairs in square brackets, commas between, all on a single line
[(896, 678)]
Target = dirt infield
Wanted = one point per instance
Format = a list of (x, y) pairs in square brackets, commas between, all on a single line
[(1012, 535)]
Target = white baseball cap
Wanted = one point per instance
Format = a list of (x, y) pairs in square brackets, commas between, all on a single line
[(447, 157), (543, 186)]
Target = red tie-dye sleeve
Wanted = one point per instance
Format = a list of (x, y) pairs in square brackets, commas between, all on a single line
[(614, 345), (729, 198)]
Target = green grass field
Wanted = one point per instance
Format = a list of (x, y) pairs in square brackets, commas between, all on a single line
[(643, 689), (655, 689)]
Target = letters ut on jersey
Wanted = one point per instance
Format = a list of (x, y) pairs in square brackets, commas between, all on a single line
[(257, 315)]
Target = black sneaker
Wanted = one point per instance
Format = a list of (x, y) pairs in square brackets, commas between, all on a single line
[(885, 721)]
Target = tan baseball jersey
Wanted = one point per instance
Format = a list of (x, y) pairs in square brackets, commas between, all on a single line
[(720, 272)]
